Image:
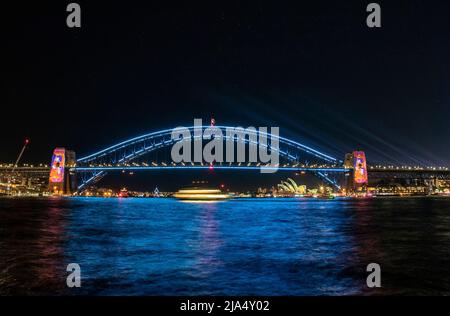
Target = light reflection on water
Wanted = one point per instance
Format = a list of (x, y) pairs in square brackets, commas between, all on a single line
[(237, 247)]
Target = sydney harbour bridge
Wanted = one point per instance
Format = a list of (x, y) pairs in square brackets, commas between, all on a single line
[(151, 151)]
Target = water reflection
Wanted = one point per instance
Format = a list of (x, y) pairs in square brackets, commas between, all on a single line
[(405, 237), (31, 246), (209, 241), (240, 247)]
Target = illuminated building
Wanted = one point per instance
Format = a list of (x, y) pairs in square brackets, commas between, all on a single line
[(291, 187), (61, 179)]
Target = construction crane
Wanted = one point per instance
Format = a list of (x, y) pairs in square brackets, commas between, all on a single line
[(27, 141)]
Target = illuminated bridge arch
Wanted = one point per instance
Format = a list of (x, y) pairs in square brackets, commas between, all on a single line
[(121, 156)]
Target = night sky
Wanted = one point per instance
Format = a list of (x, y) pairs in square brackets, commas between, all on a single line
[(316, 71)]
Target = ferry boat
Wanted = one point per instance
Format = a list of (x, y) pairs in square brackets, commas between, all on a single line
[(326, 196), (123, 193), (201, 194)]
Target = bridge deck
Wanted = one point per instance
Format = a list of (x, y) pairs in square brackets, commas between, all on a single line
[(215, 167)]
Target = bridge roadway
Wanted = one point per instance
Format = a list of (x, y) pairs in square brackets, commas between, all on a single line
[(373, 171), (408, 173), (215, 167), (40, 170)]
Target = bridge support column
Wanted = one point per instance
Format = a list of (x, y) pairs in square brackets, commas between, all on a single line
[(62, 181), (357, 180)]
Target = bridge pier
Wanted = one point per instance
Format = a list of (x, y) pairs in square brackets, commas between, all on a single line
[(357, 180), (62, 180)]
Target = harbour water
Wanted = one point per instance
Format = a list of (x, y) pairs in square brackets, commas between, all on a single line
[(238, 247)]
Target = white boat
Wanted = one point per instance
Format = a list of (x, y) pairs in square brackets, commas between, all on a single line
[(200, 194)]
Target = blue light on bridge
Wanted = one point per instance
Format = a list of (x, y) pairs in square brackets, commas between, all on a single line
[(134, 168), (133, 148), (169, 131)]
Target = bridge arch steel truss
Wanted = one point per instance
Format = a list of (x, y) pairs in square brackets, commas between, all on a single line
[(93, 167)]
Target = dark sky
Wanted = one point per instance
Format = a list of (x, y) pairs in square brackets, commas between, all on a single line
[(317, 71)]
